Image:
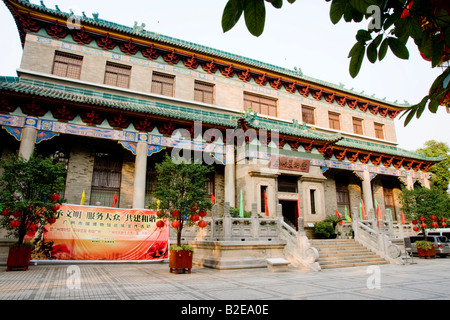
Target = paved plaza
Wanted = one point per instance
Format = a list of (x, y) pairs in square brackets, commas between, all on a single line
[(426, 279)]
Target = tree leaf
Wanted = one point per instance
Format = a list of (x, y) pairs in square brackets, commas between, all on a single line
[(255, 16), (391, 19), (363, 35), (438, 48), (231, 14), (372, 52), (383, 49), (276, 3), (362, 5), (356, 60), (337, 10), (411, 112), (355, 47), (398, 48)]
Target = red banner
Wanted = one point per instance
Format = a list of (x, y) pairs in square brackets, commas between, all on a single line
[(99, 233)]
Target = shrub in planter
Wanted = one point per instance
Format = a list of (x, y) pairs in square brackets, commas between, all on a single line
[(323, 230), (425, 249), (180, 258)]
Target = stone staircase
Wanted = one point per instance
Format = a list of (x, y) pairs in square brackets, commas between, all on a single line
[(342, 253)]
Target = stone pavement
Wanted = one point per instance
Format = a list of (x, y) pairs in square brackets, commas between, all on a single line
[(427, 279)]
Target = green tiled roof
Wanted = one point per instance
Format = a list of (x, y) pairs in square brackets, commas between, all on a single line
[(98, 98), (115, 101), (152, 36), (293, 128), (380, 148)]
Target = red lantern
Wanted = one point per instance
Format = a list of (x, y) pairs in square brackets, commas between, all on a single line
[(175, 213), (55, 197), (433, 218), (5, 212), (160, 224), (443, 224), (56, 207), (176, 224), (443, 219), (422, 219), (202, 224), (17, 214), (202, 213), (424, 225), (15, 223), (414, 222), (435, 225), (195, 217), (51, 220), (416, 229)]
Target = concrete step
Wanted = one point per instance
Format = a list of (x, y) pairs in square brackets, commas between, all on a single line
[(342, 253)]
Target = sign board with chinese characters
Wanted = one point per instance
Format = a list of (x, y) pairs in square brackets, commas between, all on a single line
[(289, 163), (100, 233)]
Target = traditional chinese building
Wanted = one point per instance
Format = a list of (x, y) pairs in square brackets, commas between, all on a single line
[(108, 100)]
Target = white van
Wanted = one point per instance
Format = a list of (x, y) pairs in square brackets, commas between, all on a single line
[(439, 232)]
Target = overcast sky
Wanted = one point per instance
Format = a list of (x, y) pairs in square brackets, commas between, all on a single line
[(299, 35)]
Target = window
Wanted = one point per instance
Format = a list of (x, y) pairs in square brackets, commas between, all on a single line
[(389, 203), (312, 199), (357, 126), (379, 131), (263, 199), (163, 84), (203, 92), (287, 184), (308, 115), (261, 105), (334, 120), (106, 179), (67, 65), (342, 195), (210, 185), (117, 75)]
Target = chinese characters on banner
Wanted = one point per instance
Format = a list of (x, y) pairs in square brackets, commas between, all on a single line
[(98, 233)]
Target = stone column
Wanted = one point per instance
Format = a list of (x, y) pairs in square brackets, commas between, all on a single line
[(29, 134), (367, 191), (409, 182), (140, 171), (230, 176)]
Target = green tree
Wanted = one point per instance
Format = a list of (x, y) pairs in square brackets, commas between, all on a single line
[(392, 24), (181, 191), (28, 194), (426, 206), (440, 171)]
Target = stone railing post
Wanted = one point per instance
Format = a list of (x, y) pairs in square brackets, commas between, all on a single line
[(301, 226), (355, 219), (212, 234), (226, 221), (255, 222), (279, 217)]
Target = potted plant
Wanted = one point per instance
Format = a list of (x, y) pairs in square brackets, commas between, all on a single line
[(29, 201), (181, 193), (324, 230), (425, 249), (425, 208)]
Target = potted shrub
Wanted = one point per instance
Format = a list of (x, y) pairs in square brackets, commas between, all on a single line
[(425, 208), (181, 193), (29, 201), (324, 230), (425, 249)]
